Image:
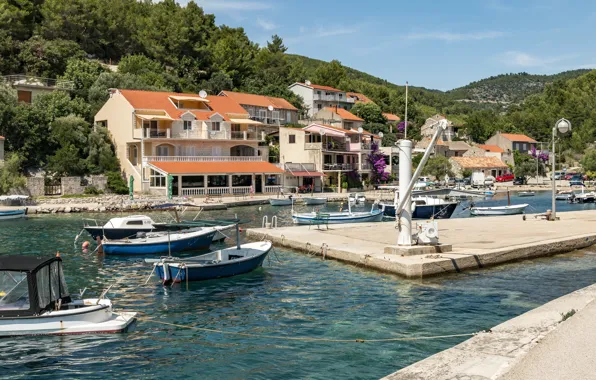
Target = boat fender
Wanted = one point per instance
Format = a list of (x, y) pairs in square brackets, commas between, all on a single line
[(85, 244), (166, 272)]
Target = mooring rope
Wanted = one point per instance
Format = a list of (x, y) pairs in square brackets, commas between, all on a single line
[(309, 339)]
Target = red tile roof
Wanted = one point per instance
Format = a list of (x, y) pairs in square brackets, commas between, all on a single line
[(391, 117), (259, 100), (491, 148), (226, 167), (344, 114), (319, 87), (155, 100), (1, 137), (360, 98), (479, 162), (518, 137)]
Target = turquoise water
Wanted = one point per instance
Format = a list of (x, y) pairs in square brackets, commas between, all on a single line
[(297, 296)]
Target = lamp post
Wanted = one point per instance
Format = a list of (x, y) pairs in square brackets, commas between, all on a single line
[(563, 126)]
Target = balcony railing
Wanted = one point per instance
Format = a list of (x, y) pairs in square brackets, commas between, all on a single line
[(203, 158), (344, 167), (299, 167), (27, 80), (201, 134)]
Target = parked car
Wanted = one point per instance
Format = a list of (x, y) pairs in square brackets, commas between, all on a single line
[(558, 176), (505, 177), (489, 181), (519, 181), (576, 180), (451, 182), (568, 175), (467, 181)]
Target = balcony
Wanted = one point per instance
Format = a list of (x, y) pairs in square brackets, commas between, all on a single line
[(203, 159), (296, 167), (31, 81), (340, 167), (200, 134)]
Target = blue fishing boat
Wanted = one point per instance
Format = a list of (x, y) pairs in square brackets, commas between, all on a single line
[(160, 242), (12, 214), (338, 217), (217, 264)]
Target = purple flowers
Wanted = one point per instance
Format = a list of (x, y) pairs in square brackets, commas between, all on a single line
[(401, 127), (378, 165), (542, 156)]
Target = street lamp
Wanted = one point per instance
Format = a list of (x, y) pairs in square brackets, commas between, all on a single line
[(563, 126)]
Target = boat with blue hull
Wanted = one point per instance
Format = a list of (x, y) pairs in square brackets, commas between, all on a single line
[(12, 214), (424, 208), (338, 217), (217, 264), (160, 242)]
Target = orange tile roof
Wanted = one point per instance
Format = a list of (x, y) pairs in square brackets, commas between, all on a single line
[(346, 131), (344, 114), (491, 148), (391, 117), (259, 100), (226, 167), (360, 98), (517, 137), (479, 162), (1, 137), (156, 100), (319, 87)]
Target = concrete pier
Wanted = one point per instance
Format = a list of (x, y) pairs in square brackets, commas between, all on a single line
[(537, 345), (475, 242)]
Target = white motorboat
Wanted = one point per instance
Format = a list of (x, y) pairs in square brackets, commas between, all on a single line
[(499, 210), (564, 196), (314, 201), (526, 194), (283, 201), (34, 300), (360, 198)]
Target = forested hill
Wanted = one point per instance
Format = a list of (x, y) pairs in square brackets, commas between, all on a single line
[(509, 88)]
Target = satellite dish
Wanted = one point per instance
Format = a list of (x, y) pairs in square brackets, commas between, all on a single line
[(360, 130), (307, 82), (270, 108), (203, 94), (381, 134)]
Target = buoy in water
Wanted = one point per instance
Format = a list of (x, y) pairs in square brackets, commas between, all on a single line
[(85, 244)]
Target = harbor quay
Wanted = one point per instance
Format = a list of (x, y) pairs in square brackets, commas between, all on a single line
[(553, 341), (466, 243)]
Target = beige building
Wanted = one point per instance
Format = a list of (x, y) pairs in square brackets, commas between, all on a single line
[(30, 87), (266, 109), (325, 150), (317, 97), (486, 165), (510, 142), (338, 117), (209, 145), (429, 128)]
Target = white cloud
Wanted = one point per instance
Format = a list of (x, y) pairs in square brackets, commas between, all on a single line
[(267, 25), (312, 33), (233, 5), (522, 59), (452, 37)]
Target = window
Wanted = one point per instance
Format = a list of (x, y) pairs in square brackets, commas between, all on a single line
[(318, 92), (163, 150), (262, 114), (187, 125), (340, 95), (524, 147), (157, 179), (215, 126), (289, 116), (15, 288), (24, 96), (275, 115), (102, 123), (292, 139), (134, 223), (319, 106)]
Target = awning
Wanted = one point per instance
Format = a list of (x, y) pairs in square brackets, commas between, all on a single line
[(223, 167), (193, 98), (246, 121), (154, 117), (306, 174)]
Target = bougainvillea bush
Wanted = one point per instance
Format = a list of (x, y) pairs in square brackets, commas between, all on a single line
[(377, 163)]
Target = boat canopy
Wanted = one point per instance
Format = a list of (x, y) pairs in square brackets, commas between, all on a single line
[(30, 285)]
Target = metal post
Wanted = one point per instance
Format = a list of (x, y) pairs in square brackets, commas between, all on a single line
[(405, 175), (554, 205), (406, 115)]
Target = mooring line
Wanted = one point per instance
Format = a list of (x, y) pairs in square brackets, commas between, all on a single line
[(309, 339)]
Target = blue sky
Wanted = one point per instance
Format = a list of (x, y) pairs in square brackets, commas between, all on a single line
[(432, 43)]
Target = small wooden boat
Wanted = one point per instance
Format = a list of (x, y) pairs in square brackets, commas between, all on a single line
[(34, 300), (12, 214), (217, 264), (284, 201), (314, 201), (499, 210), (160, 242), (526, 194)]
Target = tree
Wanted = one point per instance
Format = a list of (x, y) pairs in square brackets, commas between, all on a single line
[(10, 173), (70, 134), (370, 112), (101, 157), (233, 53), (48, 58), (438, 167), (528, 169), (377, 163), (218, 82), (148, 70), (588, 162), (83, 73), (330, 74)]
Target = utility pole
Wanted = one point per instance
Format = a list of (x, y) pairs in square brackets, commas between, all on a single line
[(406, 115)]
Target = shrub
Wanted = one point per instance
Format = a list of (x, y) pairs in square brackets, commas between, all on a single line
[(92, 190), (116, 183)]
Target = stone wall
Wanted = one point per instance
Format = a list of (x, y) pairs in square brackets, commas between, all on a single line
[(35, 186), (72, 185), (99, 181)]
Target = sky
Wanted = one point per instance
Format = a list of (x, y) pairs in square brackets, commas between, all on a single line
[(439, 44)]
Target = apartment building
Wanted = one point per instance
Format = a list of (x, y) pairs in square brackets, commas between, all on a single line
[(338, 117), (268, 110), (318, 97), (208, 144), (29, 87), (321, 154)]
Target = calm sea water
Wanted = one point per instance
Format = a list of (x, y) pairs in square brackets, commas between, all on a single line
[(295, 296)]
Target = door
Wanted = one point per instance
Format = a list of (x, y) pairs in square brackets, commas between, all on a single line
[(216, 151), (163, 150), (24, 96), (259, 183), (153, 128)]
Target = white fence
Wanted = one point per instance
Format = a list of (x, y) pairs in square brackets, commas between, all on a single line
[(193, 191), (241, 190), (203, 158), (272, 189), (218, 190)]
